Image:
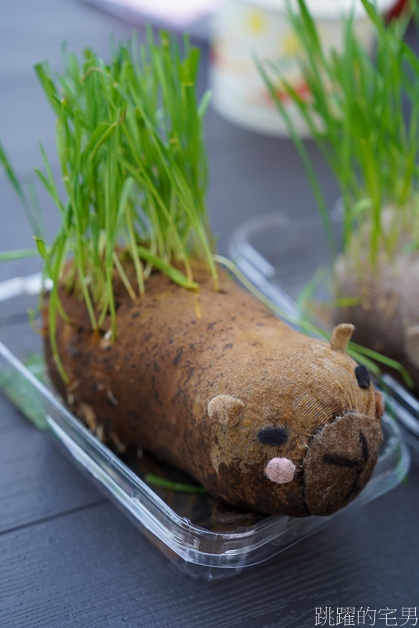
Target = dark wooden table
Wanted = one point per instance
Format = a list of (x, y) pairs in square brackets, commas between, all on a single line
[(67, 556)]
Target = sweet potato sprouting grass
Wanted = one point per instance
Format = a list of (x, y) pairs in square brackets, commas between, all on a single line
[(147, 339), (264, 417)]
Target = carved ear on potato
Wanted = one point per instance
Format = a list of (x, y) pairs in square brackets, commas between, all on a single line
[(340, 337), (225, 409), (411, 344)]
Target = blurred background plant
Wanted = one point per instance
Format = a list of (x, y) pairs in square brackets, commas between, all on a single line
[(362, 111), (354, 109)]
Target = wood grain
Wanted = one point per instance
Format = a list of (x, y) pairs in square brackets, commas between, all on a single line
[(92, 568), (36, 480)]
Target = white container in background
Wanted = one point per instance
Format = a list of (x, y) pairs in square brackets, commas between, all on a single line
[(245, 29)]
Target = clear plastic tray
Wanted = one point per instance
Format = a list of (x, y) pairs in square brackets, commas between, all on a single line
[(179, 524), (265, 251)]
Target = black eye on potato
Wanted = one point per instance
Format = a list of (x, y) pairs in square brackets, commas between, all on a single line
[(273, 436), (362, 376)]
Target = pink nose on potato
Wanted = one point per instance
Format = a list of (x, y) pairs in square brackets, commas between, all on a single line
[(280, 470)]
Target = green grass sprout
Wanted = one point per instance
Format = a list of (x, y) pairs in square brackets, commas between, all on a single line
[(156, 480), (6, 256), (130, 144)]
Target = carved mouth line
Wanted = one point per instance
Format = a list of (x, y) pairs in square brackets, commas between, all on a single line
[(364, 445), (340, 461), (350, 463)]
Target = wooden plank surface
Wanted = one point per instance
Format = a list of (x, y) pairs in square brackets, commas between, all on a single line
[(36, 481), (92, 568), (68, 557)]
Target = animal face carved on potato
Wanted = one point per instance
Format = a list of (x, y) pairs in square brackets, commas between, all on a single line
[(319, 460)]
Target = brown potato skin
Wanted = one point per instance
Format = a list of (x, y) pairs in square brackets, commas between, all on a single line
[(168, 363)]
